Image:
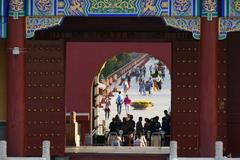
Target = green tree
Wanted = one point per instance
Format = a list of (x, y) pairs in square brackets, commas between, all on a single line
[(116, 62), (109, 66)]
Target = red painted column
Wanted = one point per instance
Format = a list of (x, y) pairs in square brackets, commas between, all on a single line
[(208, 86), (16, 87)]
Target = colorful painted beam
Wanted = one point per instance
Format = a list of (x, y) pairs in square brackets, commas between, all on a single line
[(192, 24), (230, 8), (3, 19), (181, 14), (3, 27), (209, 9), (113, 8), (3, 8), (38, 23), (16, 8), (227, 25)]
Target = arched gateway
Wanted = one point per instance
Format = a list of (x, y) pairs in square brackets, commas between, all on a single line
[(38, 92), (79, 76)]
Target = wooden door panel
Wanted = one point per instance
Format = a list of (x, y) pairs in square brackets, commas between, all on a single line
[(185, 97), (222, 94), (45, 100)]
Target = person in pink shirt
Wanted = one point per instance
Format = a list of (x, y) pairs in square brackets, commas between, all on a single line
[(127, 103)]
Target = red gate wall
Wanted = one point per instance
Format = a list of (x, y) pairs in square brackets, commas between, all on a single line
[(185, 97), (222, 94), (45, 89)]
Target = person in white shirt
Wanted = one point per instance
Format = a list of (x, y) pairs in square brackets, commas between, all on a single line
[(140, 141), (116, 141)]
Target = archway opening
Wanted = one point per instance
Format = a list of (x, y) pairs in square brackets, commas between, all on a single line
[(131, 96), (82, 70)]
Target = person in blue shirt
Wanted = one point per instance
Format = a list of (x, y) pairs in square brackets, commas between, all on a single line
[(119, 102)]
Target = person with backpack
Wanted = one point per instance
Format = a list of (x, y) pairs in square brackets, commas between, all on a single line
[(119, 102)]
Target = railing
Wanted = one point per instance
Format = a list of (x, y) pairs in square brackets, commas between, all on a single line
[(138, 61), (45, 152), (94, 131), (218, 153)]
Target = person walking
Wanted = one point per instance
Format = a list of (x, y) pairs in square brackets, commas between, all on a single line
[(127, 103), (119, 102), (128, 77), (107, 108), (144, 71), (150, 86), (125, 86), (142, 87)]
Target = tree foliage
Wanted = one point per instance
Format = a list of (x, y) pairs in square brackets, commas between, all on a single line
[(115, 63)]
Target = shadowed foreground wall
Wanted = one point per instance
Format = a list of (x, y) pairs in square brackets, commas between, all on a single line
[(234, 94)]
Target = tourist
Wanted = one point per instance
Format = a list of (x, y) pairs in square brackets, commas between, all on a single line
[(147, 130), (147, 86), (142, 87), (159, 82), (139, 127), (166, 120), (156, 124), (137, 74), (157, 79), (140, 141), (118, 122), (150, 86), (125, 126), (119, 102), (125, 86), (113, 125), (127, 103), (150, 69), (116, 141), (152, 125), (131, 123), (107, 108), (167, 116), (128, 78), (146, 126), (144, 71), (129, 139)]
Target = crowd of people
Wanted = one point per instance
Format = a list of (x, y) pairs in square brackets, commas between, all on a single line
[(153, 82), (130, 133)]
